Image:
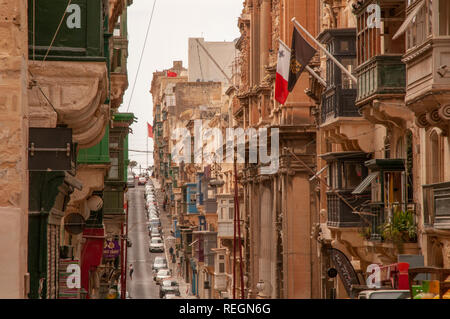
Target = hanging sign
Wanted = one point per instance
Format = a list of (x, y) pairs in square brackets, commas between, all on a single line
[(345, 270), (111, 249)]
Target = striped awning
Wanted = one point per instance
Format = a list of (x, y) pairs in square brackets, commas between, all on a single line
[(365, 183)]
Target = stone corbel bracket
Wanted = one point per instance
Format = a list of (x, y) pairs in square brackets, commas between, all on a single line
[(119, 84), (438, 117), (77, 92), (347, 144), (92, 177)]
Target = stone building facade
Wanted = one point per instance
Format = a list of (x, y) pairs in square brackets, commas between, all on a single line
[(58, 61)]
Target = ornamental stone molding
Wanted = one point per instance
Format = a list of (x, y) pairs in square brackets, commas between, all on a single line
[(70, 93), (437, 117), (119, 84)]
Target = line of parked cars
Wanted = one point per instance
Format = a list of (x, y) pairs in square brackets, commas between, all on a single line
[(162, 275)]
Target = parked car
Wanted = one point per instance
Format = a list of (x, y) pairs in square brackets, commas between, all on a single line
[(169, 287), (159, 263), (142, 180), (155, 222), (171, 296), (384, 294), (156, 245), (154, 232), (162, 275)]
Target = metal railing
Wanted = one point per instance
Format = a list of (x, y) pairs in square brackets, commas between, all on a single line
[(380, 213)]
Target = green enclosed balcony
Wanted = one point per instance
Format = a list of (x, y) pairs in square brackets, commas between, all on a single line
[(381, 75), (58, 31), (98, 154)]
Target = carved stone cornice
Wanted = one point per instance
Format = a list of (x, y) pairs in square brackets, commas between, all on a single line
[(73, 94)]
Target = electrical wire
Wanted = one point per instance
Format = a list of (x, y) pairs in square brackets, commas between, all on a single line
[(57, 30), (142, 55)]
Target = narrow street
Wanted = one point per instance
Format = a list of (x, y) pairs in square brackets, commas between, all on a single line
[(142, 285)]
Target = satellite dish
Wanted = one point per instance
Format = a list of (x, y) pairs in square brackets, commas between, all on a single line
[(74, 223)]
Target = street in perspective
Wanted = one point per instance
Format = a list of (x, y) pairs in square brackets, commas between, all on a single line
[(241, 153)]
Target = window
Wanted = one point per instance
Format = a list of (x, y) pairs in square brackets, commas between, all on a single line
[(378, 41), (230, 213), (114, 170), (346, 81), (444, 17), (393, 187), (421, 26), (353, 174), (221, 264), (434, 160)]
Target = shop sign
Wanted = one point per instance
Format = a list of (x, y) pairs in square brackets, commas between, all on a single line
[(345, 270), (69, 279), (111, 249)]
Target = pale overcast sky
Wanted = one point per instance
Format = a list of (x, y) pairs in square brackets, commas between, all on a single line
[(174, 21)]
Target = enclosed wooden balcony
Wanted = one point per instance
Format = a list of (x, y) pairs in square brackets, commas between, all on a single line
[(340, 214), (80, 36), (436, 205), (381, 75), (338, 102)]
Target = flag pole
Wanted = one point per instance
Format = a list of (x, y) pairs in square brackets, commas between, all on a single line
[(352, 77), (147, 148), (314, 74)]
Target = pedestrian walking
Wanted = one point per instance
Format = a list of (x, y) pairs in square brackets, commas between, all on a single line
[(131, 271)]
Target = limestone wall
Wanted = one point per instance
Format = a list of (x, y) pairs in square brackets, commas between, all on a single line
[(13, 154)]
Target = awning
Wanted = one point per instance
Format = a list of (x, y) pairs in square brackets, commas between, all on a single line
[(408, 20), (365, 183)]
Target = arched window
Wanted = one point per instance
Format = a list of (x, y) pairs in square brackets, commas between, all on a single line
[(434, 162)]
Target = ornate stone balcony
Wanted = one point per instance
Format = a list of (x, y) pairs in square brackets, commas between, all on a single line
[(72, 94), (428, 83)]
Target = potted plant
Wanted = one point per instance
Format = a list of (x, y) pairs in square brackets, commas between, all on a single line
[(400, 228)]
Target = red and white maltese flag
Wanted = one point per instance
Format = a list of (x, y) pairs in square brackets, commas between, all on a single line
[(281, 82)]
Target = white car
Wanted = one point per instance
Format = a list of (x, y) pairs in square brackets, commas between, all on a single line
[(159, 263), (384, 294), (162, 275), (156, 245), (142, 180)]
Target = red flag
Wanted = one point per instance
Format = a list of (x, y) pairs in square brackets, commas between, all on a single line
[(171, 74), (282, 76), (150, 130)]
